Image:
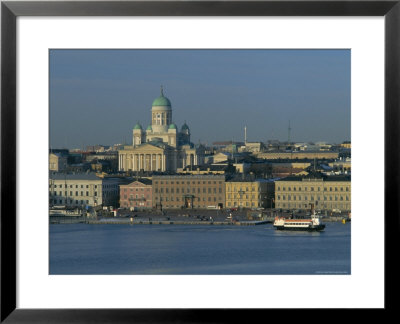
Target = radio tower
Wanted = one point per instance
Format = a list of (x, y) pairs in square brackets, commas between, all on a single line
[(289, 129)]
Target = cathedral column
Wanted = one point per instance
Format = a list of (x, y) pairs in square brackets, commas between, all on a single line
[(158, 162), (151, 162), (163, 163)]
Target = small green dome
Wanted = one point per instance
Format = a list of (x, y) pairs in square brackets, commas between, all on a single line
[(149, 127), (185, 127), (172, 126), (137, 126), (161, 100)]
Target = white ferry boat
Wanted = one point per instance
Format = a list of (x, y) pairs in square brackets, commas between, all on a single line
[(299, 224)]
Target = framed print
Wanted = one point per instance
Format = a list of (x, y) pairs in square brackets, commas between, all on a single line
[(57, 51)]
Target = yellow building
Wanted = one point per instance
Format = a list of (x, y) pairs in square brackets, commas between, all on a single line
[(249, 194), (330, 193)]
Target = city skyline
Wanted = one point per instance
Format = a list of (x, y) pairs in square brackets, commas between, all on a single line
[(97, 96)]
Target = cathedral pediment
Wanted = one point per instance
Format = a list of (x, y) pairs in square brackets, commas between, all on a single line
[(150, 147)]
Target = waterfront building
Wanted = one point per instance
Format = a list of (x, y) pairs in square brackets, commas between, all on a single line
[(161, 147), (189, 191), (247, 193), (57, 162), (330, 193), (136, 195), (81, 190)]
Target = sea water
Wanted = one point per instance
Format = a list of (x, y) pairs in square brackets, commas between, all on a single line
[(197, 250)]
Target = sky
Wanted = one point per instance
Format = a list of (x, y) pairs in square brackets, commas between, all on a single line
[(97, 96)]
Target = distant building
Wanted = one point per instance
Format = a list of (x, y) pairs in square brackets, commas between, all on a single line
[(254, 147), (221, 157), (346, 144), (137, 194), (246, 193), (331, 193), (189, 191), (283, 172), (204, 169), (342, 164), (298, 155), (81, 190), (57, 162)]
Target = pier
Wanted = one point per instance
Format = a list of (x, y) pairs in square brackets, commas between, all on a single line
[(179, 217), (175, 222)]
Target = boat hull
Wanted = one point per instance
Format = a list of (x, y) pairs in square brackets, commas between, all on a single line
[(317, 228)]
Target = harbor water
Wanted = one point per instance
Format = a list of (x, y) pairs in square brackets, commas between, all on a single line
[(198, 250)]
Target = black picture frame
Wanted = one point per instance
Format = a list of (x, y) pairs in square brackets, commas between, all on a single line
[(10, 10)]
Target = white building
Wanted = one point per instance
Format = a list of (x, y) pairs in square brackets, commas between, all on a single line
[(80, 190)]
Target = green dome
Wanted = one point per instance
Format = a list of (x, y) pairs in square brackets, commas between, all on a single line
[(161, 100), (172, 126), (184, 127), (149, 127), (137, 126)]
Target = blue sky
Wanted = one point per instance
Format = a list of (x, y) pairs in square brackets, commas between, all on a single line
[(97, 96)]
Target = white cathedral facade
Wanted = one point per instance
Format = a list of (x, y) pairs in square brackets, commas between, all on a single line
[(161, 147)]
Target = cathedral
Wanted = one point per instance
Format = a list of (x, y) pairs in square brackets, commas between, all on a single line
[(161, 147)]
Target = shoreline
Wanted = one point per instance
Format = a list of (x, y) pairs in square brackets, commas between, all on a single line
[(128, 221), (179, 217)]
